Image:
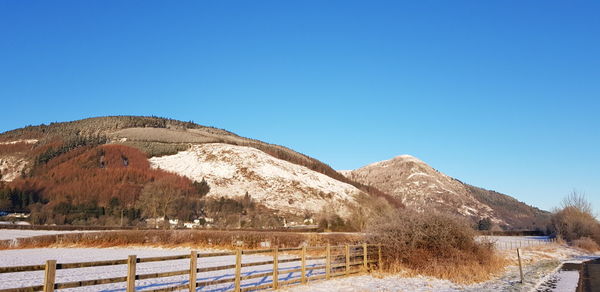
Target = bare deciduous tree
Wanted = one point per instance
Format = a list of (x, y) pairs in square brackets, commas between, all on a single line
[(579, 201), (366, 210), (575, 219), (158, 199)]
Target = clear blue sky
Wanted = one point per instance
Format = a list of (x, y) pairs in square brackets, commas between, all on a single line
[(500, 94)]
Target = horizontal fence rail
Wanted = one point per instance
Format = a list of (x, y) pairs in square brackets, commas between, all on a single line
[(273, 269), (514, 243)]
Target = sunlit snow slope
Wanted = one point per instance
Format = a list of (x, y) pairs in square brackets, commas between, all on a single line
[(231, 171)]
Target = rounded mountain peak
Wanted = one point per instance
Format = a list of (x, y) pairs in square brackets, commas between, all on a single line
[(406, 158)]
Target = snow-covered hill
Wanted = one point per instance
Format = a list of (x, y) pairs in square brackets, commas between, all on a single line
[(422, 187), (232, 170)]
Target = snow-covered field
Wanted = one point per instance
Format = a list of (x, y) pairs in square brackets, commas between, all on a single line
[(540, 266), (7, 234), (513, 242), (22, 257)]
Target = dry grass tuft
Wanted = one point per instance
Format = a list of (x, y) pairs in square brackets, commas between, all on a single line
[(586, 244)]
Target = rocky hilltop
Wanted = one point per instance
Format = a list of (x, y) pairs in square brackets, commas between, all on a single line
[(420, 186)]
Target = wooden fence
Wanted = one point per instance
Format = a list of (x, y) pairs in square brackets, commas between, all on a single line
[(335, 261)]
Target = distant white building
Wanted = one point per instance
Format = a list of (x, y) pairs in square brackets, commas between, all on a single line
[(18, 215), (191, 225), (155, 221), (200, 222)]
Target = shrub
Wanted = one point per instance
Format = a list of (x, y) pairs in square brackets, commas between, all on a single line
[(587, 244), (433, 244), (575, 219), (367, 208)]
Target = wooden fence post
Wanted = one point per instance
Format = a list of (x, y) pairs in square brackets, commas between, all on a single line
[(193, 270), (379, 257), (131, 262), (303, 265), (328, 262), (347, 259), (520, 265), (276, 268), (238, 269), (50, 276), (365, 255)]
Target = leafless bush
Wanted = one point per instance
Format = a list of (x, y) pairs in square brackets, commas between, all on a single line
[(578, 201), (587, 244), (434, 244), (366, 209), (575, 219)]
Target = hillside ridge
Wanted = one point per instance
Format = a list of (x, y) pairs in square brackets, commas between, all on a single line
[(90, 170), (151, 135), (30, 160), (422, 187)]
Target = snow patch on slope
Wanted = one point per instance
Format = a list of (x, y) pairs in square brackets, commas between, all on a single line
[(232, 170), (26, 141), (416, 174), (11, 167)]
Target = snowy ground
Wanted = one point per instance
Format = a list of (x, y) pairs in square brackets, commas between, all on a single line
[(7, 234), (540, 264), (540, 267), (22, 257), (561, 281)]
